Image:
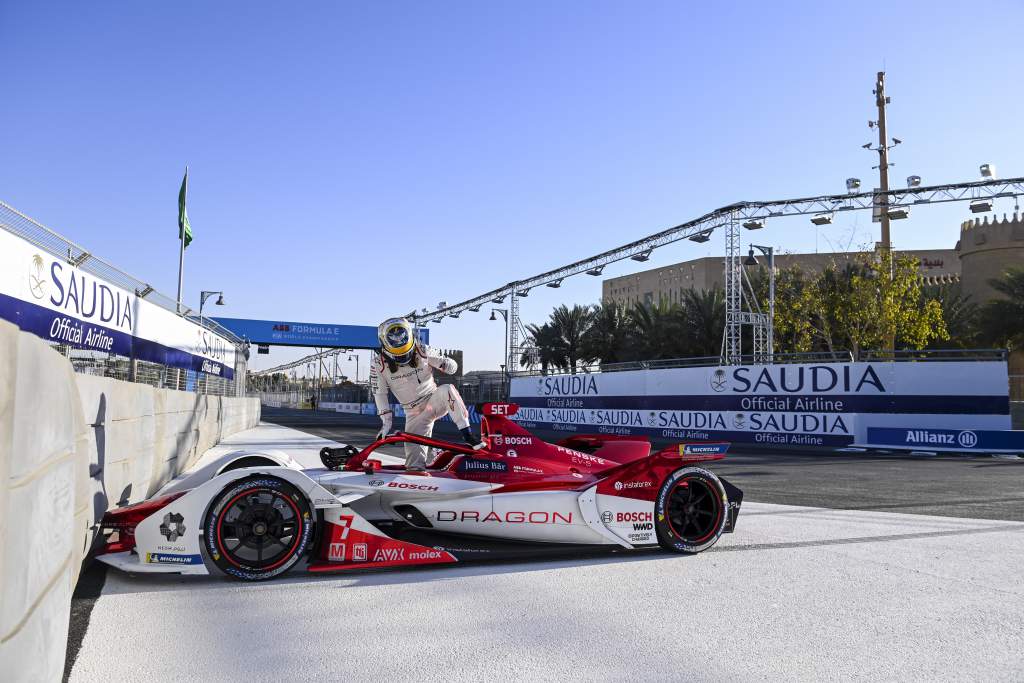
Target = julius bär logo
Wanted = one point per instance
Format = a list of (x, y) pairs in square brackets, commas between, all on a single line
[(717, 380), (36, 283)]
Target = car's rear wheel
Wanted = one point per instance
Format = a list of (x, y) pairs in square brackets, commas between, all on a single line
[(690, 511), (258, 528)]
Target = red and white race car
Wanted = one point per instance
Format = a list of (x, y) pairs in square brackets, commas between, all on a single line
[(257, 515)]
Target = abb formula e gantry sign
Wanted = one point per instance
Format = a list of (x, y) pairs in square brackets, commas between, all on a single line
[(828, 404), (290, 333)]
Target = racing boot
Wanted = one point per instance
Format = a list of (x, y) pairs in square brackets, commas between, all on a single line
[(470, 439)]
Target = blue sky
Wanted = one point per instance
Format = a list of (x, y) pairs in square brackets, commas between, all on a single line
[(353, 160)]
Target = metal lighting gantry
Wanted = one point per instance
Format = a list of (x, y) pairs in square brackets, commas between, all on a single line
[(731, 217)]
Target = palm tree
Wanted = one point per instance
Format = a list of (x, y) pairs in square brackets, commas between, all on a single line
[(546, 349), (571, 326), (1001, 321), (703, 314), (656, 331), (607, 339), (959, 312)]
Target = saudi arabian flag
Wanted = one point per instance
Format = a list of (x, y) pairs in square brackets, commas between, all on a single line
[(183, 226)]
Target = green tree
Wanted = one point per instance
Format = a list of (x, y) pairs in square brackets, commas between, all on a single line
[(884, 304), (546, 350), (1001, 321), (703, 321), (656, 331), (607, 339), (959, 313)]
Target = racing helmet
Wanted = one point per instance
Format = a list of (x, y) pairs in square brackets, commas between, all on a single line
[(397, 340)]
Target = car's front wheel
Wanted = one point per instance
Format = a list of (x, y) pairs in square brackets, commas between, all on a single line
[(258, 527), (690, 511)]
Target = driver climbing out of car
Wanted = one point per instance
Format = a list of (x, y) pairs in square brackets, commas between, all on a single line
[(406, 368)]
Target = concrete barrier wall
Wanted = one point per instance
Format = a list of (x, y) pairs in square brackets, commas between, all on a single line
[(72, 447)]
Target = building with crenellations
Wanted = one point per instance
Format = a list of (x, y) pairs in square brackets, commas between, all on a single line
[(987, 249), (669, 282)]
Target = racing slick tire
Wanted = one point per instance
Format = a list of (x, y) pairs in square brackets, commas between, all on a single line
[(690, 511), (258, 527)]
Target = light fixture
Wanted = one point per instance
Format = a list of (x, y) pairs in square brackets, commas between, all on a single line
[(596, 271), (821, 218), (453, 315), (555, 285), (499, 299), (474, 309), (866, 145), (492, 315), (896, 141), (642, 256), (754, 224), (852, 185), (701, 237), (898, 212), (914, 181), (523, 293), (442, 304), (751, 260), (981, 206), (988, 171)]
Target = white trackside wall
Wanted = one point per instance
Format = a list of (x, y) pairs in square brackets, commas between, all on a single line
[(828, 404)]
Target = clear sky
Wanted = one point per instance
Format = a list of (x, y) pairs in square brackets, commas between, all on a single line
[(349, 161)]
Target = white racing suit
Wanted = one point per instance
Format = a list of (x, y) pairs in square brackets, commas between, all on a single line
[(424, 402)]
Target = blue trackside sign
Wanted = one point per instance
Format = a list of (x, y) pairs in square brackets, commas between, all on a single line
[(947, 439)]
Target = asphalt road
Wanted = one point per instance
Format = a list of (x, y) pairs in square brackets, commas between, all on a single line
[(796, 593), (978, 487)]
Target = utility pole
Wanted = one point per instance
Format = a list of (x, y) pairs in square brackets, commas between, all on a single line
[(883, 160), (883, 185)]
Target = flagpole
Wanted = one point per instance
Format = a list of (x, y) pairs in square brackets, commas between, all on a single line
[(181, 252)]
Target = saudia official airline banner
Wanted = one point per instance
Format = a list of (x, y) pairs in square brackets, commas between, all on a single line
[(50, 298), (831, 404)]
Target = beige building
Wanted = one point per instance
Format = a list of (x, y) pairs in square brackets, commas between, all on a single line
[(987, 249), (669, 282)]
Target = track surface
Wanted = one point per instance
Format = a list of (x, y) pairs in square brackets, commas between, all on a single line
[(978, 487), (798, 592)]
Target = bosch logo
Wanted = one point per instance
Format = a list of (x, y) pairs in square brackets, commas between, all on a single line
[(606, 516), (412, 487), (634, 516), (967, 439)]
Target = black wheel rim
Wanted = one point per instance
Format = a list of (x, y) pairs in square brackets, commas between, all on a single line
[(259, 529), (694, 510)]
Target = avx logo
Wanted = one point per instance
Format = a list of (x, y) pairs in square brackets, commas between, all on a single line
[(389, 555)]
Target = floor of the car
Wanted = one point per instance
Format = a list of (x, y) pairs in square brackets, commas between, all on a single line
[(466, 548)]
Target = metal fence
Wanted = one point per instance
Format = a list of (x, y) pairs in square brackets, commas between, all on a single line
[(815, 357), (110, 364)]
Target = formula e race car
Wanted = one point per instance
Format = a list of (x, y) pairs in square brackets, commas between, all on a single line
[(255, 516)]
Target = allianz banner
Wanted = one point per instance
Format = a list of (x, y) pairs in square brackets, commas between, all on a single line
[(830, 404), (60, 303)]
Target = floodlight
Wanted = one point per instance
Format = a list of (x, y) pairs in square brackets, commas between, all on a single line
[(555, 285), (642, 256), (821, 218), (914, 181), (988, 171), (852, 185), (751, 260), (981, 206), (898, 212), (754, 224), (596, 271), (701, 237)]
